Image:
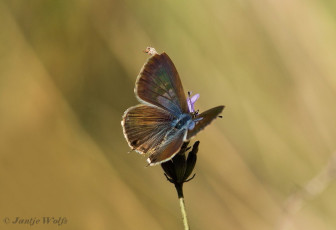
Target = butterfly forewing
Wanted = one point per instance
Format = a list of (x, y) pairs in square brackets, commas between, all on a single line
[(159, 84), (204, 119), (145, 127)]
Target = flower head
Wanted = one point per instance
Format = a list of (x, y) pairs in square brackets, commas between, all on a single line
[(179, 169), (191, 101)]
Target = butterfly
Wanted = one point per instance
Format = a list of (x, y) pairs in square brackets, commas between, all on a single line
[(165, 119)]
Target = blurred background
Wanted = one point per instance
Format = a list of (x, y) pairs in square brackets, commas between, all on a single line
[(67, 73)]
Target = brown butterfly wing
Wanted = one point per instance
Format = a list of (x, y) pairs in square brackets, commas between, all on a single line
[(159, 84), (207, 117), (145, 127), (169, 148)]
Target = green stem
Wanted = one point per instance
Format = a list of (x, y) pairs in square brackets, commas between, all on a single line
[(182, 205)]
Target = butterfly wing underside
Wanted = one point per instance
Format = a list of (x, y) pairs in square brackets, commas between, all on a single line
[(205, 119), (145, 127), (169, 147), (148, 130), (159, 84)]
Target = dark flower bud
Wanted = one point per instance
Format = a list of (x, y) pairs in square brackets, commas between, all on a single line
[(191, 161), (178, 169)]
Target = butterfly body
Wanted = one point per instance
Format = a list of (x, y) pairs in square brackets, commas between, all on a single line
[(184, 121), (159, 126)]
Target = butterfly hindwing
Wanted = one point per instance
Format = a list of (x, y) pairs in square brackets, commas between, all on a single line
[(169, 147), (159, 84)]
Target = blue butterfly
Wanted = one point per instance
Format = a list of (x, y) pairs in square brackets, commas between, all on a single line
[(165, 119)]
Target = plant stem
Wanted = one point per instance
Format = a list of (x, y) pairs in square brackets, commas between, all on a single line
[(179, 189)]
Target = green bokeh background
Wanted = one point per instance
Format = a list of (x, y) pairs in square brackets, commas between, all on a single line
[(67, 73)]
